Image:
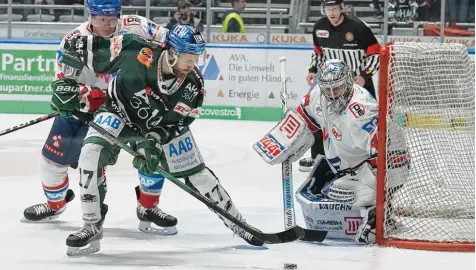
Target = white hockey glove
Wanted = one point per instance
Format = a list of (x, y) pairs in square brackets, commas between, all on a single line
[(289, 139), (357, 188)]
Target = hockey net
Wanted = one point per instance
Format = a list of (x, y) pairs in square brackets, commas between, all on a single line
[(426, 179)]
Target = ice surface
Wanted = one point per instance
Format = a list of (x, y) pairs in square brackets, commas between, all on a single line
[(203, 241)]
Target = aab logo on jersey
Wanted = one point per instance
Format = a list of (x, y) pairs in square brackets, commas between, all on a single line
[(210, 69)]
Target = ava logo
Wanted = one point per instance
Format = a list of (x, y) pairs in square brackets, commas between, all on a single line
[(56, 140), (210, 70)]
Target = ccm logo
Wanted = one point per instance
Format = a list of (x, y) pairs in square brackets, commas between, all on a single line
[(182, 109), (322, 33)]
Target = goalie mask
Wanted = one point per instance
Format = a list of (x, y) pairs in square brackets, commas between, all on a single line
[(335, 80)]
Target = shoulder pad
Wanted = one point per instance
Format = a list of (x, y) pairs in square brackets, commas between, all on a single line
[(154, 44), (131, 20)]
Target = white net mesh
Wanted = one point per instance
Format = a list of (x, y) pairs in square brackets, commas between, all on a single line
[(430, 143)]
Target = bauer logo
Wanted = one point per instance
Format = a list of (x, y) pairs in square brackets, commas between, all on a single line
[(210, 69)]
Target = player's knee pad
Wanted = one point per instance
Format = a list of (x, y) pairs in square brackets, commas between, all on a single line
[(181, 156), (357, 188), (149, 190), (208, 185), (54, 178), (92, 182)]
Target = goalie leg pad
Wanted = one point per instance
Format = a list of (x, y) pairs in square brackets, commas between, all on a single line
[(357, 188), (339, 219), (289, 139)]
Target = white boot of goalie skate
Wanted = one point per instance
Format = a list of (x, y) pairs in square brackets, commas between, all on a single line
[(165, 224), (43, 213), (87, 240)]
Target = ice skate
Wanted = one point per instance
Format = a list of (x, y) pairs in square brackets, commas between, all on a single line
[(42, 212), (165, 223), (87, 240), (306, 164)]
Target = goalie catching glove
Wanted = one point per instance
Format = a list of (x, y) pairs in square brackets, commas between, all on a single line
[(289, 139), (68, 96), (150, 150)]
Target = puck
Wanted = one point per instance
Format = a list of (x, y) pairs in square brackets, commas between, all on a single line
[(290, 266)]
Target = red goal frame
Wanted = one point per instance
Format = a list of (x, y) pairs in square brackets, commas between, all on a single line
[(384, 92)]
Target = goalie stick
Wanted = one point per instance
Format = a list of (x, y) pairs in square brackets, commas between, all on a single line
[(287, 178), (29, 123), (286, 236)]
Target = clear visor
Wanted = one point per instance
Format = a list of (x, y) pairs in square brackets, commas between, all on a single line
[(104, 25), (201, 59)]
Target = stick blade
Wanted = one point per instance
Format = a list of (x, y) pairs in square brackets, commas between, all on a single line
[(313, 236), (286, 236)]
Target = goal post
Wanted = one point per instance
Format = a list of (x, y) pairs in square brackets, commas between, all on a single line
[(426, 149)]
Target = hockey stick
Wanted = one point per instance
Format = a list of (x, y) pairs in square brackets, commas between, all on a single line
[(29, 123), (269, 238), (287, 177)]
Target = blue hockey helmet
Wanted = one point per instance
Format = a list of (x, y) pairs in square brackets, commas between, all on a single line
[(185, 39), (104, 7)]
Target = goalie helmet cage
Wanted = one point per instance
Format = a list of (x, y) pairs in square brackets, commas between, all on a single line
[(426, 180)]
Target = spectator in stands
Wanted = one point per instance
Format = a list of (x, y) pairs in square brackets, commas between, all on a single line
[(349, 10), (45, 2), (423, 10), (232, 22), (402, 11), (459, 11), (378, 13), (185, 15), (79, 12)]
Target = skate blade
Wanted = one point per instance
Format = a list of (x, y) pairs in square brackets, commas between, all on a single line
[(45, 220), (147, 227), (93, 247), (304, 169)]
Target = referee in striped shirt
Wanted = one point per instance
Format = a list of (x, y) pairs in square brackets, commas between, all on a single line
[(345, 37)]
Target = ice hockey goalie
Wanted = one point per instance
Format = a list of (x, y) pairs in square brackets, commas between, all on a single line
[(339, 194)]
